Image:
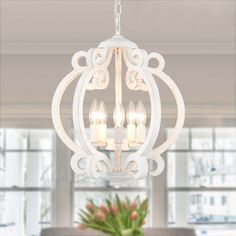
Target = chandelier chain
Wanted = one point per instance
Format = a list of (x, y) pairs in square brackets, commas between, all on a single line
[(117, 16)]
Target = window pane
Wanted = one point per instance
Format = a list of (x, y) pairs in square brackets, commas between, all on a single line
[(24, 213), (202, 208), (22, 167), (225, 138), (41, 139), (171, 208), (171, 170), (195, 169), (2, 172), (212, 169), (38, 169), (1, 139), (16, 139), (202, 138), (83, 181), (182, 143), (27, 169)]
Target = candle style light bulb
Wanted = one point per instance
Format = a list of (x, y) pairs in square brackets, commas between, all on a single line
[(102, 113), (131, 126), (141, 114), (93, 112), (119, 116), (131, 113), (102, 125), (93, 120), (141, 117)]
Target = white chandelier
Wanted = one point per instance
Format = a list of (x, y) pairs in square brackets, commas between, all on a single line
[(130, 134)]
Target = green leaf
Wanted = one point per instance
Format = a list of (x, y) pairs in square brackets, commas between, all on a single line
[(121, 223)]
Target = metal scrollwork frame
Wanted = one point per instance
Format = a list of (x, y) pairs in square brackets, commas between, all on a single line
[(95, 75)]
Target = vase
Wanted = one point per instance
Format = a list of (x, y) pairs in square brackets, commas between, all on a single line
[(131, 232)]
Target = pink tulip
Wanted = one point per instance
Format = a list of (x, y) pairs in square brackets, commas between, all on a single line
[(90, 207), (104, 208), (133, 206), (100, 216), (114, 210), (82, 226), (134, 215)]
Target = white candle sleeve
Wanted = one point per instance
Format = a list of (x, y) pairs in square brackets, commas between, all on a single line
[(119, 135), (93, 133), (102, 133), (110, 144), (141, 133), (131, 133)]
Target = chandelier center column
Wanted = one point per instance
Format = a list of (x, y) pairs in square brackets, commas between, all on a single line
[(118, 76), (119, 111)]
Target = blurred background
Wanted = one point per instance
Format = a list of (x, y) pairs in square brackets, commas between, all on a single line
[(197, 39)]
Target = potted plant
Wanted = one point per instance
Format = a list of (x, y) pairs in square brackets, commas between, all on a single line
[(115, 217)]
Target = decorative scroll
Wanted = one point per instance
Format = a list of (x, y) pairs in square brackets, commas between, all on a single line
[(154, 56), (75, 163), (134, 81), (101, 165), (138, 167), (101, 57), (93, 167), (100, 80), (134, 59), (160, 163), (79, 56)]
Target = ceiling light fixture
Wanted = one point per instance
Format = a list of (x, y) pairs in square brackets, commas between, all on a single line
[(130, 132)]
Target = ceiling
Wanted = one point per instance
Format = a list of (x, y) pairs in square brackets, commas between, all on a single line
[(197, 38), (164, 25)]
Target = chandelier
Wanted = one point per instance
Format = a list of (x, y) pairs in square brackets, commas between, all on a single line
[(130, 142)]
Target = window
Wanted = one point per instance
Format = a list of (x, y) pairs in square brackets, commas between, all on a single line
[(202, 180), (223, 200), (212, 201), (25, 180), (223, 178)]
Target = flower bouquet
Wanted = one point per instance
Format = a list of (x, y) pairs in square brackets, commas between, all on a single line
[(115, 217)]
